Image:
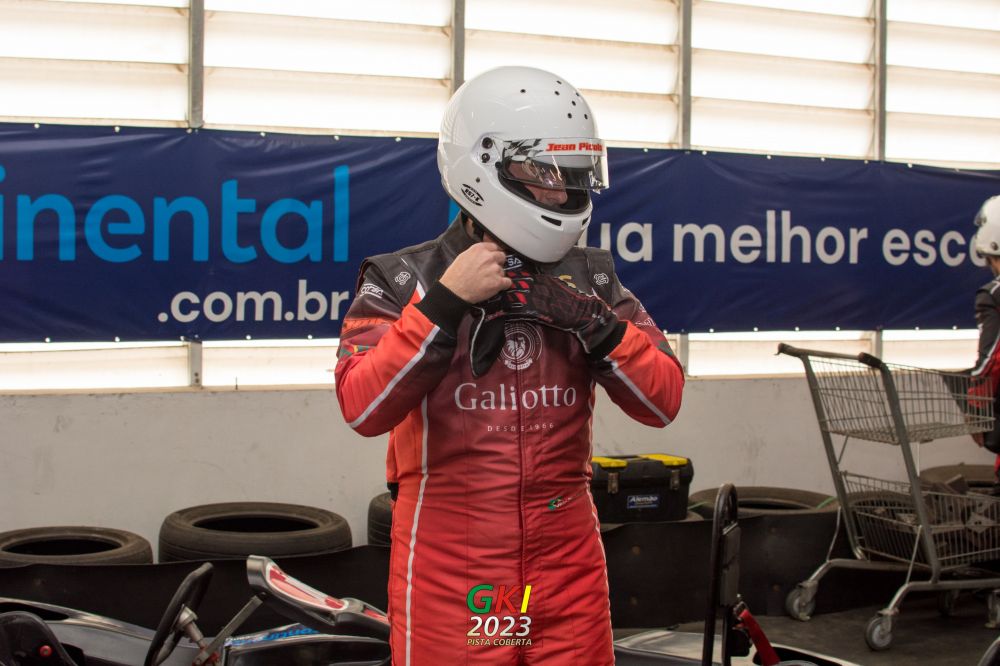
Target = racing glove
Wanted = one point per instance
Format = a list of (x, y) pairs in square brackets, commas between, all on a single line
[(487, 336), (558, 303)]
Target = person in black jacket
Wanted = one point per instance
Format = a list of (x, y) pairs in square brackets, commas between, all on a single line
[(986, 373)]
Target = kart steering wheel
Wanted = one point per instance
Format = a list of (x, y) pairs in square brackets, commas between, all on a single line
[(190, 593)]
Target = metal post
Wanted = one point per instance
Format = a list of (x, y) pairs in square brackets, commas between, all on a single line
[(876, 340), (684, 75), (881, 76), (457, 44), (194, 362), (683, 350), (196, 64)]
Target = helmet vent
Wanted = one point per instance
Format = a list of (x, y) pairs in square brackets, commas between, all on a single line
[(552, 220)]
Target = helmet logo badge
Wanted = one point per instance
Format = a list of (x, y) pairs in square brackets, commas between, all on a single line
[(472, 195)]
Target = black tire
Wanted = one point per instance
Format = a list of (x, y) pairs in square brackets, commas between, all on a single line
[(239, 529), (880, 515), (73, 545), (764, 500), (691, 516), (380, 520), (979, 477)]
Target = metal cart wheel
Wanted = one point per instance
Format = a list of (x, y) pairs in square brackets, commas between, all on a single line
[(798, 607), (878, 633), (946, 602)]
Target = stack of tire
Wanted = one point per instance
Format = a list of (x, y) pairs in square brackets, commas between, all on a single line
[(73, 545), (607, 526), (205, 532), (787, 533), (380, 520), (765, 501), (238, 529), (979, 478)]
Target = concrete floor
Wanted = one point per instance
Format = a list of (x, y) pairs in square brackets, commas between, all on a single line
[(921, 636)]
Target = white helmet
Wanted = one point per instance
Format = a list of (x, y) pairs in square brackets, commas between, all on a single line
[(515, 128), (988, 221)]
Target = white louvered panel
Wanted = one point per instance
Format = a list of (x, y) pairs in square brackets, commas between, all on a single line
[(943, 93), (112, 92), (638, 21), (258, 98), (141, 3), (944, 139), (586, 64), (58, 366), (322, 45), (936, 47), (978, 14), (858, 8), (78, 31), (738, 76), (795, 34), (767, 128), (424, 12), (635, 119), (257, 363)]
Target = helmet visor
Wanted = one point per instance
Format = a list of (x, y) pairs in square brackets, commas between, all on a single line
[(556, 164)]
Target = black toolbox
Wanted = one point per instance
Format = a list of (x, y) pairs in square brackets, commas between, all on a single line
[(645, 487)]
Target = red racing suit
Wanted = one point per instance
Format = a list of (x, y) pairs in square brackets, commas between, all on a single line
[(496, 552)]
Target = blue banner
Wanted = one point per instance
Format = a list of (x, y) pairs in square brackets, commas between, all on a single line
[(156, 234)]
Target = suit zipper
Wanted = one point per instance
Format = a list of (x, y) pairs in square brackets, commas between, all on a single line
[(521, 482)]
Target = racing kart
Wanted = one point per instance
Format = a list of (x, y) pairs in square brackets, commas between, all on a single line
[(326, 630), (349, 632)]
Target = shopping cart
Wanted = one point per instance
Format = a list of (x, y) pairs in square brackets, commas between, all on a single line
[(902, 525)]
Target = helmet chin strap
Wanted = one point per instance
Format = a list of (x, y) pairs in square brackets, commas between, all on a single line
[(475, 229)]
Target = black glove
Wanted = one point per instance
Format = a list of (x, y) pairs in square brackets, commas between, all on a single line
[(487, 335), (560, 304)]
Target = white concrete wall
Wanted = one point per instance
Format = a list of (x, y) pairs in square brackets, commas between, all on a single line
[(127, 460)]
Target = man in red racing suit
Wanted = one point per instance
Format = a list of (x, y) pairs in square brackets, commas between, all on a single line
[(493, 472), (479, 352)]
